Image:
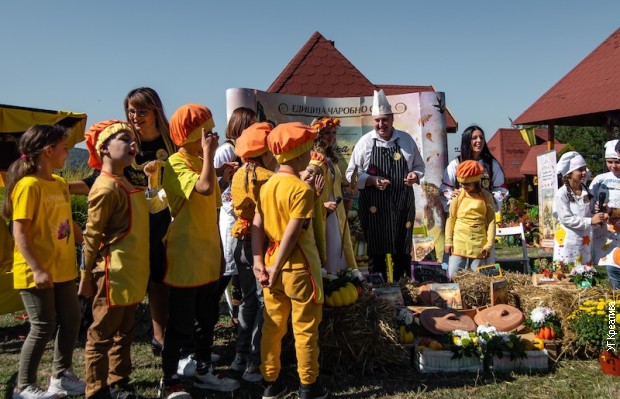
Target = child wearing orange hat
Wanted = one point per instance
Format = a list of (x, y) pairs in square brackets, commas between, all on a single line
[(470, 227), (258, 165), (116, 257), (193, 250), (290, 270)]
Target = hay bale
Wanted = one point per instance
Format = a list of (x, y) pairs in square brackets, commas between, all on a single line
[(361, 338), (564, 300)]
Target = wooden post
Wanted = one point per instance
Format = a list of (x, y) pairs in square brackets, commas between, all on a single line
[(551, 136)]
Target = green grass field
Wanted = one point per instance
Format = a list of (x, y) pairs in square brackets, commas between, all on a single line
[(570, 379)]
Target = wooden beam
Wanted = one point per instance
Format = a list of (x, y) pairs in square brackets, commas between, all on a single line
[(551, 136)]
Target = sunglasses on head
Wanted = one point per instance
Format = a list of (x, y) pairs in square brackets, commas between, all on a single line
[(138, 111)]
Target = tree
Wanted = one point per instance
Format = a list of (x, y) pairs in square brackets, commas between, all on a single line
[(587, 141)]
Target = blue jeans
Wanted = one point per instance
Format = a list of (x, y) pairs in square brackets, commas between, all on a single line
[(613, 274), (251, 309), (455, 263)]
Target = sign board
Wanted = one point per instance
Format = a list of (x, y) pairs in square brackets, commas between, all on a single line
[(547, 187), (494, 271), (422, 272), (450, 295), (499, 292)]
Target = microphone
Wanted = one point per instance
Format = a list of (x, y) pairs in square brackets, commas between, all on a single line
[(601, 201), (338, 200)]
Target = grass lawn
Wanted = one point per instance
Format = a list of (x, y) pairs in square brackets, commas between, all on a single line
[(571, 379)]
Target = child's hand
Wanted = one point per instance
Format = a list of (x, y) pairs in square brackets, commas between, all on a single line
[(43, 279), (455, 193), (272, 274), (319, 184), (600, 218), (260, 273), (227, 170), (330, 206), (209, 142), (87, 288), (448, 249), (484, 253), (151, 170)]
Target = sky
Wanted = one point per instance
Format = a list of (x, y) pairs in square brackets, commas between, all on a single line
[(493, 59)]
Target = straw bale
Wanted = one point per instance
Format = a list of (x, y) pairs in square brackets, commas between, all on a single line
[(361, 338)]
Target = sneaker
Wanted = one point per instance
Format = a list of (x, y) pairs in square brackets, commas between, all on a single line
[(33, 392), (174, 391), (240, 363), (219, 382), (252, 373), (274, 390), (123, 391), (68, 384), (313, 391), (187, 366)]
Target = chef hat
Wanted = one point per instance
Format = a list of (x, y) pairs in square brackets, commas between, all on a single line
[(610, 149), (98, 133), (318, 159), (380, 104), (287, 141), (570, 162), (253, 140), (469, 172), (187, 122)]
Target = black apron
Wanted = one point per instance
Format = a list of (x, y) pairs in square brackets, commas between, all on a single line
[(387, 216)]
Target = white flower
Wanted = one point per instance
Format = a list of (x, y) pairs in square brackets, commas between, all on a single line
[(488, 329)]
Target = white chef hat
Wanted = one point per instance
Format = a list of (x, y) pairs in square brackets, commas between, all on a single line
[(380, 104), (569, 162), (610, 149)]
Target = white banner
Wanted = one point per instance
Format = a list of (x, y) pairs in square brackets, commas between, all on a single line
[(547, 187), (422, 115)]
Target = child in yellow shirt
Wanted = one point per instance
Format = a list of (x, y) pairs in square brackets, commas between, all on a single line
[(193, 250), (470, 227), (291, 269), (44, 264)]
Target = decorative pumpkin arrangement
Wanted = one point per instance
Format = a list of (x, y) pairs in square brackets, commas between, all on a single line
[(545, 323), (345, 295), (342, 289)]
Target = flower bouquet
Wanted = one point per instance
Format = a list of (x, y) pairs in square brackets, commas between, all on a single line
[(545, 323), (583, 276), (591, 324)]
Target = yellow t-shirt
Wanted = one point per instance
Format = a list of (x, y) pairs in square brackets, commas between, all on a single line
[(48, 206), (244, 203), (282, 198), (193, 252)]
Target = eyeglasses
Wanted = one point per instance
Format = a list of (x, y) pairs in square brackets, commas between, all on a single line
[(138, 111)]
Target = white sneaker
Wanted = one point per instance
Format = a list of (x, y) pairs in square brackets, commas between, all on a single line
[(187, 366), (33, 392), (210, 380), (175, 391), (68, 384)]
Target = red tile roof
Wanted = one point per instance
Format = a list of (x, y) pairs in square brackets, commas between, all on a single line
[(320, 70), (529, 166), (512, 152), (586, 95)]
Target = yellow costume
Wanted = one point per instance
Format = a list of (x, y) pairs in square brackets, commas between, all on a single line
[(244, 204), (299, 287), (333, 190), (47, 205), (470, 227), (193, 250)]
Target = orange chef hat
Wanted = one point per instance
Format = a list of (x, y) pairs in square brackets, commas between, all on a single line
[(98, 133), (318, 159), (253, 140), (287, 141), (187, 122), (469, 172)]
